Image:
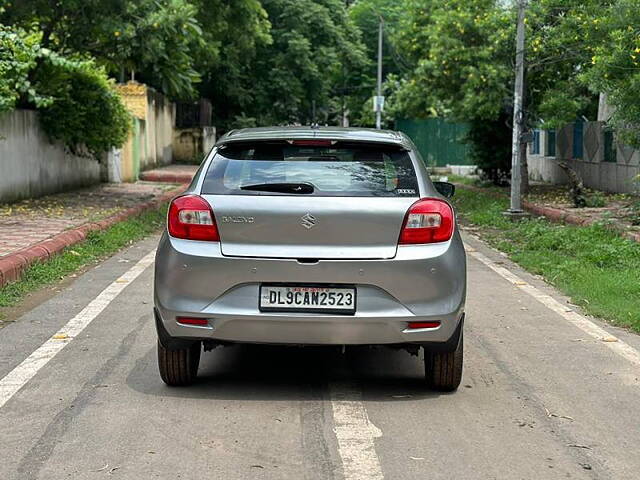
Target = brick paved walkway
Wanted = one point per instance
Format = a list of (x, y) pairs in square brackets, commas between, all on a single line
[(171, 173), (24, 223)]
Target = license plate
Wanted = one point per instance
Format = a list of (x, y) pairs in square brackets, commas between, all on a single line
[(307, 298)]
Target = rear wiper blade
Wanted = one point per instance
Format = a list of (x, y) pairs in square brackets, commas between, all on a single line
[(302, 188)]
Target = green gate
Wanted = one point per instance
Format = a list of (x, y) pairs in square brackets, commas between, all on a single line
[(440, 142)]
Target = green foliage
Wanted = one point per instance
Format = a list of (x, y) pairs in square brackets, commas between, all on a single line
[(314, 50), (75, 98), (270, 61), (366, 14), (595, 200), (491, 150), (461, 51), (85, 108), (462, 54), (560, 39), (18, 56), (168, 44), (226, 65), (258, 61), (160, 40), (615, 65)]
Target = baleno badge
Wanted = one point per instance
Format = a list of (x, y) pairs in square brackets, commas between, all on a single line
[(308, 221), (228, 219)]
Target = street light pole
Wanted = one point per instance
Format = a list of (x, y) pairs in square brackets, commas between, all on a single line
[(379, 93), (518, 116)]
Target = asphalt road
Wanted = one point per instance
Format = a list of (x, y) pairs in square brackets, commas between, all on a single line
[(542, 396)]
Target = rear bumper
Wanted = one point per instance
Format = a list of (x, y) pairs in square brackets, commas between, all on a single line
[(310, 330), (422, 283)]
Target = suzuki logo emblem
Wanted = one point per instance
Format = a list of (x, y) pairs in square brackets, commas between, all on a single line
[(308, 221)]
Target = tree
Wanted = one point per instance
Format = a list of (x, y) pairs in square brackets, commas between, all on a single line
[(18, 57), (168, 44), (461, 54), (314, 46), (593, 46), (366, 15), (561, 38), (76, 100), (228, 73)]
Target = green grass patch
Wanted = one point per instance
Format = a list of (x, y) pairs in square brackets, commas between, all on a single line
[(595, 267), (97, 246)]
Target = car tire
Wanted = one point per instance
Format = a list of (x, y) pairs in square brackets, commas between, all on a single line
[(443, 370), (179, 367)]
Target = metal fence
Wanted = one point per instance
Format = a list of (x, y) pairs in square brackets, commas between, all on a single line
[(440, 142)]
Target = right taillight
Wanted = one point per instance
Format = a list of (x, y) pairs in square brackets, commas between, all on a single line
[(429, 220), (190, 217)]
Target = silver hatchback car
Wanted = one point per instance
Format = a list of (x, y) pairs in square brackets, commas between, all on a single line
[(312, 236)]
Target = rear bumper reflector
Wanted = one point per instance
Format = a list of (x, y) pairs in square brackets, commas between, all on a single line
[(417, 325), (192, 321)]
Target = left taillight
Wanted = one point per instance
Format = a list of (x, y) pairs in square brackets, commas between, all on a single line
[(191, 217), (429, 220)]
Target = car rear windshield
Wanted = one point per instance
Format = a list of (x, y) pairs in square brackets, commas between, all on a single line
[(336, 169)]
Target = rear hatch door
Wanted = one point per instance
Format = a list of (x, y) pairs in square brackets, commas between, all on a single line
[(317, 200)]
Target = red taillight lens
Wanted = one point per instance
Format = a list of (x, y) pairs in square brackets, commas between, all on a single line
[(418, 325), (429, 220), (191, 217), (192, 321)]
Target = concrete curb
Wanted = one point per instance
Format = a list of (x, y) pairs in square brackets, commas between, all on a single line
[(13, 265), (165, 177), (556, 215)]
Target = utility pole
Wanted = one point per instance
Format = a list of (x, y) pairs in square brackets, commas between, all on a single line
[(518, 117), (379, 101)]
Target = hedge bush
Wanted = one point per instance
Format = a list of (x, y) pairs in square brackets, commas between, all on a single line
[(77, 101), (18, 57)]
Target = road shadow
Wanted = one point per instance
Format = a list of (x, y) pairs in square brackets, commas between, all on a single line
[(261, 372)]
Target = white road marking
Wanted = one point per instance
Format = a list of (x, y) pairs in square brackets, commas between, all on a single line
[(587, 326), (19, 376), (355, 433)]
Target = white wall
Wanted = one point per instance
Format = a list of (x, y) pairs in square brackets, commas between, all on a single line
[(160, 122), (619, 176), (31, 165)]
